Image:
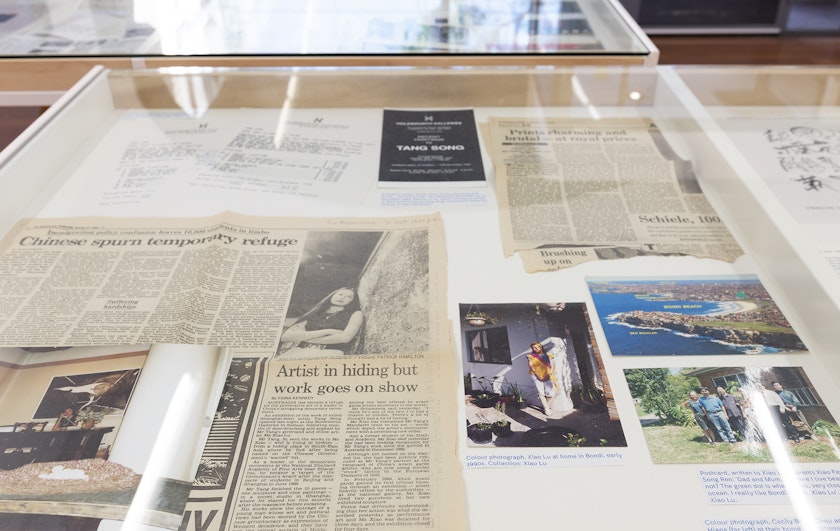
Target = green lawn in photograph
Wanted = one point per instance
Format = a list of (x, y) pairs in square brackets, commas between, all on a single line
[(676, 444)]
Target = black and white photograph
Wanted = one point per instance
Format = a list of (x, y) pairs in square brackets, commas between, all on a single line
[(359, 293)]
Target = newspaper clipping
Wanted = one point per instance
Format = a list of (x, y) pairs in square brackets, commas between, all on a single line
[(224, 280), (341, 443), (337, 408), (576, 190)]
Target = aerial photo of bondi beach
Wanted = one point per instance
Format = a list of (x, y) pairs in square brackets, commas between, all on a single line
[(731, 314)]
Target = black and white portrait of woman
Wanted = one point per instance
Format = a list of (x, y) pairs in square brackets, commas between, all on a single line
[(353, 289), (331, 326)]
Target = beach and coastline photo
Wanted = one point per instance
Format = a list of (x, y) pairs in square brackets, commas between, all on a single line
[(732, 314)]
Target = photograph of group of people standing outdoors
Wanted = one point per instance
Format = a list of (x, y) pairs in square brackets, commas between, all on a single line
[(727, 414)]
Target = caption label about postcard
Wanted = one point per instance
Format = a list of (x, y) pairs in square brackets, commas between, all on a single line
[(539, 459), (821, 485), (771, 524)]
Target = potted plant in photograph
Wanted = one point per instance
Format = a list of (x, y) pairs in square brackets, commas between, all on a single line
[(574, 439), (501, 427), (507, 397), (480, 432), (519, 400), (486, 397), (88, 418), (552, 436), (588, 398), (475, 386), (478, 318)]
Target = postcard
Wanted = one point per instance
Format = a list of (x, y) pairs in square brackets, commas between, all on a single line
[(691, 316)]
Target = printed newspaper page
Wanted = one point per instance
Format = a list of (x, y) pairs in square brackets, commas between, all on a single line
[(225, 280), (333, 443), (573, 190), (337, 409)]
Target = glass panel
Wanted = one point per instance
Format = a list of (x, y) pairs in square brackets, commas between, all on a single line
[(190, 142), (318, 27), (781, 127)]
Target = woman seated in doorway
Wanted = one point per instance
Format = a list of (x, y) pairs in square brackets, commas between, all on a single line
[(328, 329)]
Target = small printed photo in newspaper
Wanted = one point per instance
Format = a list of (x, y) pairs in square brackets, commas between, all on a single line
[(362, 292)]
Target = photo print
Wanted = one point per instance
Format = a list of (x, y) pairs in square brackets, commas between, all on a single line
[(359, 293), (97, 394), (731, 414), (533, 376), (62, 454), (691, 316)]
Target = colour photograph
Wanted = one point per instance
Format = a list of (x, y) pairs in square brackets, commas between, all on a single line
[(91, 395), (59, 447), (533, 376), (732, 415), (103, 432), (691, 316)]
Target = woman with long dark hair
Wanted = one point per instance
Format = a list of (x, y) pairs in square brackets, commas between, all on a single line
[(328, 329)]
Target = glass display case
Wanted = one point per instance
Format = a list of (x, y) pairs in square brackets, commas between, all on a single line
[(48, 46), (779, 127), (636, 161)]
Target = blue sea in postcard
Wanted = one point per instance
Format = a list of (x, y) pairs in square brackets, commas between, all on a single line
[(627, 340)]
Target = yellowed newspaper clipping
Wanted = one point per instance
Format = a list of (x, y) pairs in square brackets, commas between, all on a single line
[(576, 190), (337, 408)]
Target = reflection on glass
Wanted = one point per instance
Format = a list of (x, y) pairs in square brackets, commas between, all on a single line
[(224, 27)]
